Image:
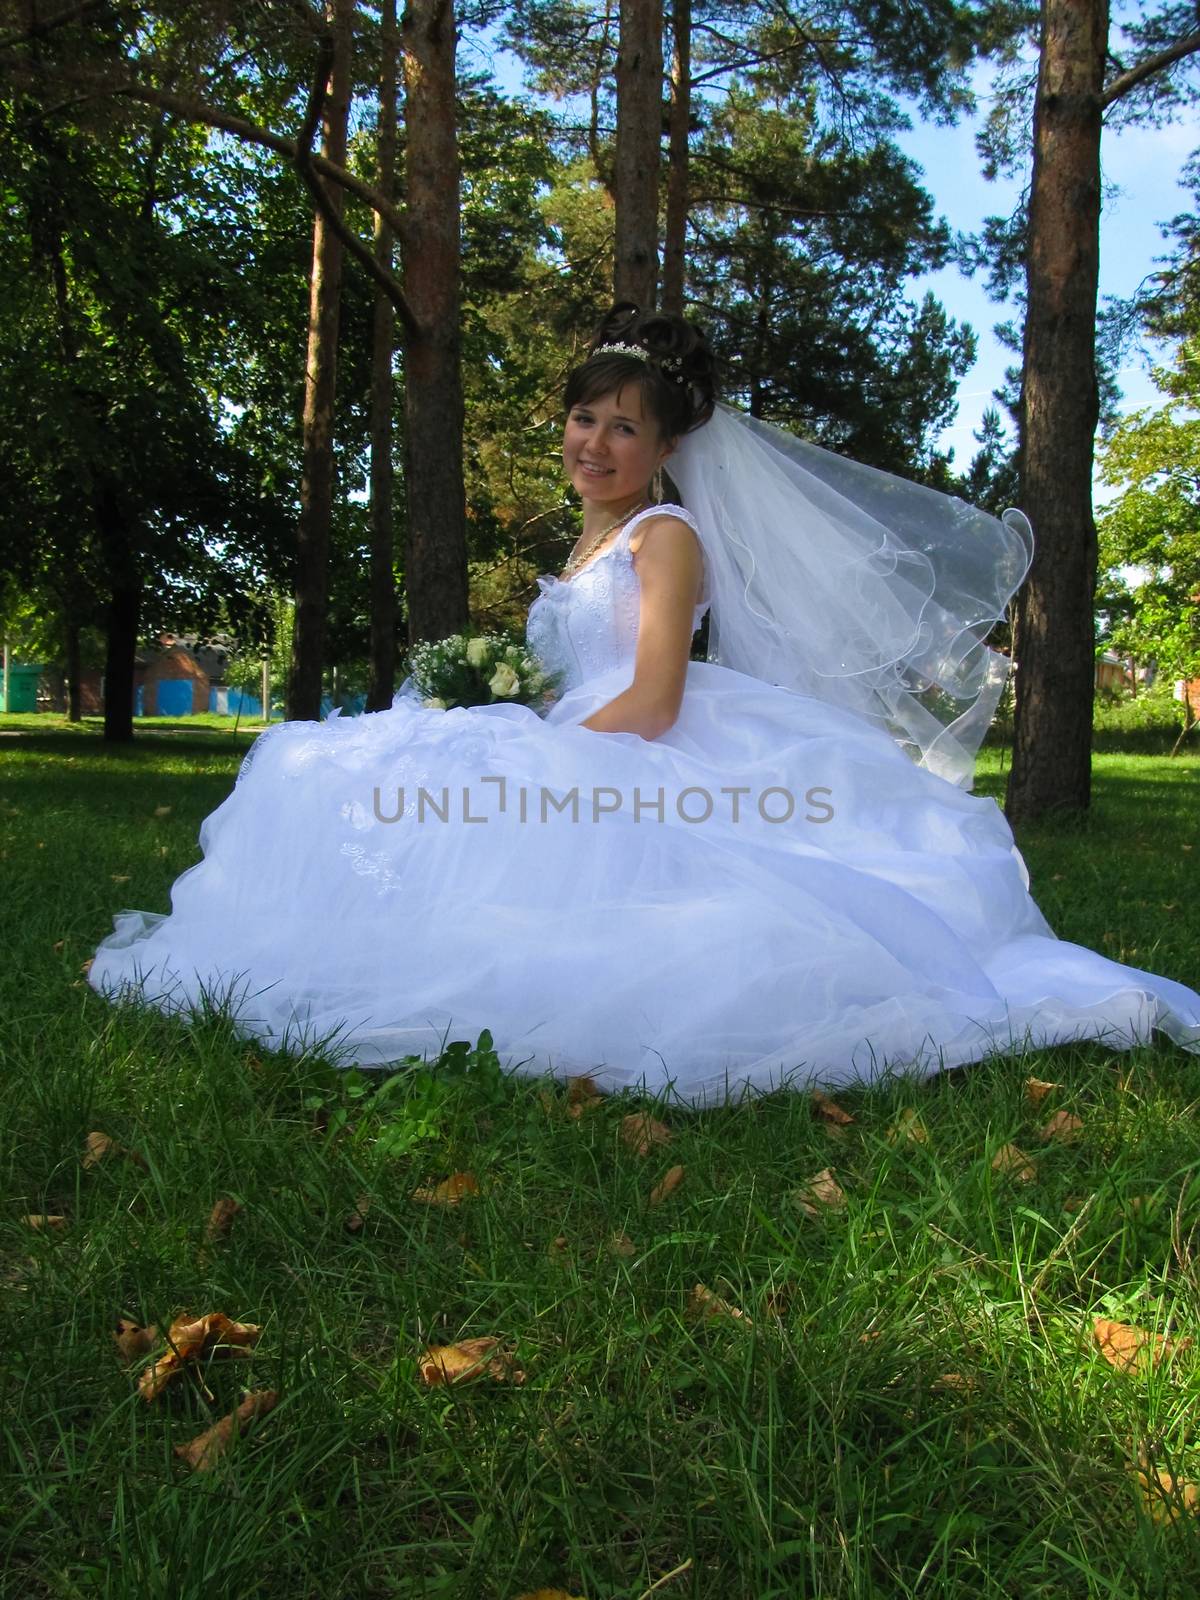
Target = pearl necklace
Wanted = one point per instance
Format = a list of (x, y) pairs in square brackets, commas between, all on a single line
[(579, 560)]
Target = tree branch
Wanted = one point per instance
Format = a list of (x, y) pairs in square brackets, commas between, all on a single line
[(316, 99), (387, 282), (1125, 81), (304, 162), (310, 166), (251, 133), (38, 30)]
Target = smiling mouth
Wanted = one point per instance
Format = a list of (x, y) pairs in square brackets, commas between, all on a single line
[(597, 471)]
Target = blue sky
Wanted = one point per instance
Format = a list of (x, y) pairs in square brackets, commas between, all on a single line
[(1140, 170)]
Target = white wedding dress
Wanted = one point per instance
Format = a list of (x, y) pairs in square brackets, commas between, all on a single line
[(770, 892)]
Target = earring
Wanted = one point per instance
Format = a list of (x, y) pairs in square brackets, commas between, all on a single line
[(656, 486)]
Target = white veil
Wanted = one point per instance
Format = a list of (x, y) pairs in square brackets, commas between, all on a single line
[(852, 585)]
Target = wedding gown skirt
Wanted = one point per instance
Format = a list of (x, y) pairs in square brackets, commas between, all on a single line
[(770, 892)]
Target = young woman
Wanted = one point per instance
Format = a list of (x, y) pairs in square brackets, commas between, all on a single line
[(758, 869)]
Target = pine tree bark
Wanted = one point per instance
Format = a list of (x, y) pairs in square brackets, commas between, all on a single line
[(675, 245), (1053, 630), (436, 536), (639, 151), (120, 660), (320, 386), (1054, 634), (382, 676)]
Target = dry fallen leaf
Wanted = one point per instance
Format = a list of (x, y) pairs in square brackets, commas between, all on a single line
[(354, 1222), (1133, 1349), (559, 1250), (189, 1338), (203, 1452), (162, 811), (220, 1219), (1036, 1090), (641, 1132), (45, 1223), (582, 1095), (819, 1194), (1064, 1127), (621, 1245), (120, 877), (1010, 1162), (450, 1192), (132, 1340), (703, 1302), (98, 1145), (667, 1184), (956, 1382), (1164, 1494), (827, 1110), (908, 1125), (466, 1360)]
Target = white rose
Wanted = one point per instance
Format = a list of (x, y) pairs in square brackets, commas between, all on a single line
[(434, 704), (504, 681), (477, 652)]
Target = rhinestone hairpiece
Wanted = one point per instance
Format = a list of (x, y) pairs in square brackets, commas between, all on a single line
[(669, 365), (623, 350)]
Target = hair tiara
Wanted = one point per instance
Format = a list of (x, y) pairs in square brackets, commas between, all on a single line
[(669, 365)]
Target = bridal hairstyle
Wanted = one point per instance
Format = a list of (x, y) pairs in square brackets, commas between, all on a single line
[(678, 382)]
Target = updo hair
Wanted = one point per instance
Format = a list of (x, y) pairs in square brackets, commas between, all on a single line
[(678, 383)]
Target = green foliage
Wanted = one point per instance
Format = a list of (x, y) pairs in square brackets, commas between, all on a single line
[(803, 248), (1154, 525), (1149, 720), (806, 218)]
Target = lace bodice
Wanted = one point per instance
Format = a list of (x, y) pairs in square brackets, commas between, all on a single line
[(589, 624)]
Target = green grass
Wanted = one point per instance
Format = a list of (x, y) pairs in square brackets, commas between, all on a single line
[(814, 1452)]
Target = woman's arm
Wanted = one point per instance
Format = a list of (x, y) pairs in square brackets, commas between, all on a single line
[(670, 569)]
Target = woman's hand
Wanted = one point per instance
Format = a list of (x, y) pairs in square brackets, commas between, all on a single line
[(670, 569)]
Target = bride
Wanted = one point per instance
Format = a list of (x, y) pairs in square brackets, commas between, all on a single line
[(765, 868)]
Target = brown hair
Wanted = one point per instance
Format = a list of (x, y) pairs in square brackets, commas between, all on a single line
[(678, 382)]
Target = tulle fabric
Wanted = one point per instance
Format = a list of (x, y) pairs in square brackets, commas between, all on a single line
[(853, 585), (886, 925)]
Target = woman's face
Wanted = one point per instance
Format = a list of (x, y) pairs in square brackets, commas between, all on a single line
[(611, 449)]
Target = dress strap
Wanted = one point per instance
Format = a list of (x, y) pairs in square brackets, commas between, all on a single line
[(670, 510), (665, 510)]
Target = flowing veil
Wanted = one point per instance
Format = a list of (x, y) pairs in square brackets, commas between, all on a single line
[(852, 585)]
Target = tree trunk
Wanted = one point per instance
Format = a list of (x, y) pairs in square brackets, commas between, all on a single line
[(675, 247), (639, 151), (435, 562), (316, 482), (602, 163), (74, 708), (382, 681), (1054, 636), (120, 659), (123, 614)]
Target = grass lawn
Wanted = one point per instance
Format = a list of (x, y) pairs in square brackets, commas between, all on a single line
[(911, 1402)]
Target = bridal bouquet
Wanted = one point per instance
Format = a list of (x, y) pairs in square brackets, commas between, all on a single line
[(478, 670)]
